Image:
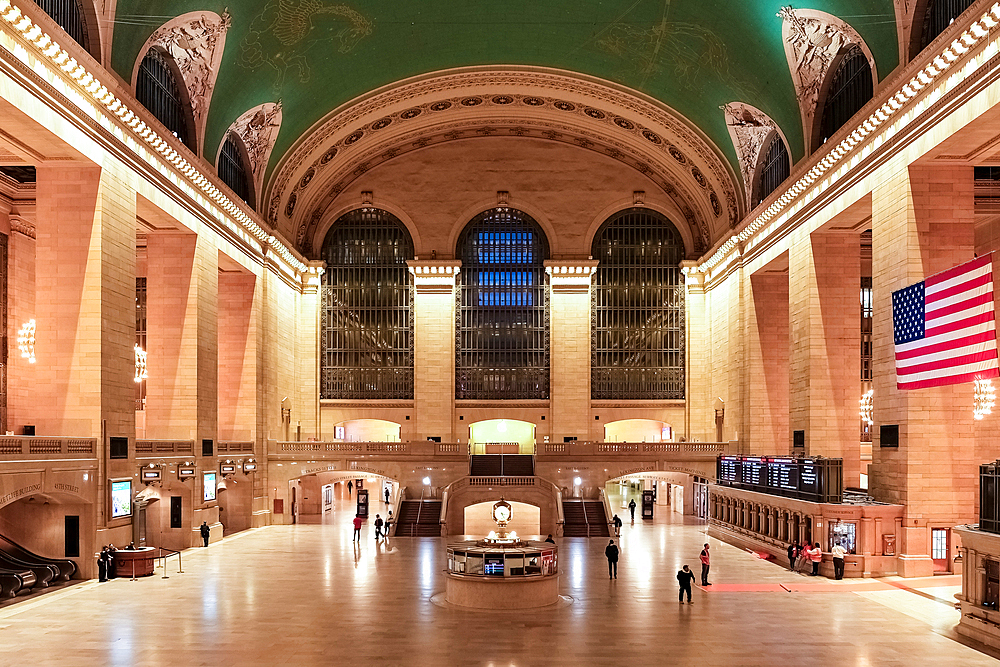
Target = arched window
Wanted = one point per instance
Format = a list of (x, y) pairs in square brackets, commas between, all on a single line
[(367, 326), (69, 15), (638, 310), (503, 325), (773, 169), (157, 89), (939, 15), (850, 89), (233, 170)]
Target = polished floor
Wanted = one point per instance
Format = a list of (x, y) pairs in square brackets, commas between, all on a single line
[(307, 595)]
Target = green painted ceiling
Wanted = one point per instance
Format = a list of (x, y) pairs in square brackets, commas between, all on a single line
[(313, 55)]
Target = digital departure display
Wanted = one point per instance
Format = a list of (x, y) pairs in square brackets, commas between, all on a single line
[(815, 479), (493, 565)]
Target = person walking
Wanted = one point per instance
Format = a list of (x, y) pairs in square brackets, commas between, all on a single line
[(611, 551), (684, 577), (206, 532), (838, 552), (357, 527), (387, 495), (350, 488), (815, 555), (378, 526), (618, 525), (793, 551), (705, 563), (803, 561), (388, 521), (631, 508)]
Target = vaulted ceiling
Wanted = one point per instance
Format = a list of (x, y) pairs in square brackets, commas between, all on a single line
[(694, 56)]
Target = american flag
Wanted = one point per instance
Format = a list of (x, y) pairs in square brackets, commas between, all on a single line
[(944, 327)]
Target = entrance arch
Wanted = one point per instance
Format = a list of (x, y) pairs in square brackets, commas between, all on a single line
[(638, 430)]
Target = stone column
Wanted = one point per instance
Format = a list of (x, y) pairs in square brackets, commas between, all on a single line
[(922, 224), (306, 419), (434, 348), (825, 359), (238, 367), (698, 414), (767, 365), (569, 327)]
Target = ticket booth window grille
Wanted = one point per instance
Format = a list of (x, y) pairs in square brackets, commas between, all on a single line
[(156, 89), (502, 328), (233, 170), (69, 16), (774, 169), (367, 317), (638, 344), (939, 15), (850, 89)]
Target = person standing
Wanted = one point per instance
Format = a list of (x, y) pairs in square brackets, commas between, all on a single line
[(387, 495), (631, 508), (793, 551), (815, 555), (388, 521), (357, 527), (684, 577), (618, 525), (838, 552), (705, 563), (549, 539), (206, 532), (611, 551), (102, 564), (112, 564), (378, 526)]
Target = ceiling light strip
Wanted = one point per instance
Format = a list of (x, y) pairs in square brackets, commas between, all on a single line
[(61, 59), (864, 133)]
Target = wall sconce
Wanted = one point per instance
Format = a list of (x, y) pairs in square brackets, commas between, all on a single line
[(984, 399), (140, 364), (867, 411), (26, 340)]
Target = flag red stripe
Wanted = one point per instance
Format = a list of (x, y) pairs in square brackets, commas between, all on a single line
[(959, 324), (978, 281), (947, 363), (958, 270), (949, 379), (947, 345)]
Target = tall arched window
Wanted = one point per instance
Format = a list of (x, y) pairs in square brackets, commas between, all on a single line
[(503, 324), (773, 169), (157, 89), (367, 327), (939, 15), (850, 89), (69, 15), (233, 169), (638, 310)]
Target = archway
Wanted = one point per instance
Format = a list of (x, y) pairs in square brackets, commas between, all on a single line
[(638, 430), (168, 511), (502, 436), (367, 430), (54, 525)]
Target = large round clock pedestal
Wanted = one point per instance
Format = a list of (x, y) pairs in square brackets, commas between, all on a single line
[(490, 575)]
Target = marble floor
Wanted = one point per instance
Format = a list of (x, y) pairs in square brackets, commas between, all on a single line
[(307, 595)]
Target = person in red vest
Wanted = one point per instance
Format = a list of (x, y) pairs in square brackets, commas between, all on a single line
[(815, 556), (357, 527)]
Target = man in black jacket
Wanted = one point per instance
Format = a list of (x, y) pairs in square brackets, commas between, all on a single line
[(611, 551), (684, 578), (206, 532)]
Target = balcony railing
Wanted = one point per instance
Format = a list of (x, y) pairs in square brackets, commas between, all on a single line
[(427, 449), (164, 447), (13, 447)]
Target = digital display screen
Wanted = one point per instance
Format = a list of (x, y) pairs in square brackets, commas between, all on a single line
[(493, 565), (151, 474), (185, 472), (730, 469), (121, 498), (754, 471), (804, 478), (784, 474), (226, 469), (209, 486), (809, 476)]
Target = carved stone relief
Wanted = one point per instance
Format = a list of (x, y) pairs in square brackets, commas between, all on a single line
[(749, 128), (258, 128), (195, 41), (812, 41)]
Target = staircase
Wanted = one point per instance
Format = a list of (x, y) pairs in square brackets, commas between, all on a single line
[(507, 465), (419, 518), (584, 518)]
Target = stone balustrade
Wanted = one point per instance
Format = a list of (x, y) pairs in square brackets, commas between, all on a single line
[(40, 448)]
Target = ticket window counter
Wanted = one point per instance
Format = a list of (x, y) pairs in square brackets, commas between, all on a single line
[(843, 533)]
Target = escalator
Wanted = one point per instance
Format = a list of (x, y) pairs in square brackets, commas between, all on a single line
[(22, 571)]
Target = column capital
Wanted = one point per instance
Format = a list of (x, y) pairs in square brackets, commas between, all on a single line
[(570, 275), (431, 276)]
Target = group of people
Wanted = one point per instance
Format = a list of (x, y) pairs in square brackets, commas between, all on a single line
[(381, 527), (805, 555), (684, 576), (107, 568)]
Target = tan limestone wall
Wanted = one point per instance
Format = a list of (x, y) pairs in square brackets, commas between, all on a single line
[(767, 364)]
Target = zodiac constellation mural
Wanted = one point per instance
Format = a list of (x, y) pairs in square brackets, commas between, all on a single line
[(281, 33)]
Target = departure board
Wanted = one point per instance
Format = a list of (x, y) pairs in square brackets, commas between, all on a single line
[(815, 479)]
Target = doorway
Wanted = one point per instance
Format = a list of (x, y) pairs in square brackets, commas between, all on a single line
[(940, 549)]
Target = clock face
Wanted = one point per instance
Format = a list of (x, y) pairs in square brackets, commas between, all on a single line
[(501, 513)]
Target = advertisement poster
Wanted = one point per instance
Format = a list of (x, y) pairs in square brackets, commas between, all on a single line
[(121, 499), (209, 486)]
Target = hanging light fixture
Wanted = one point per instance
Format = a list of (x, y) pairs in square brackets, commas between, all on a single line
[(140, 364), (867, 411), (26, 341), (984, 398)]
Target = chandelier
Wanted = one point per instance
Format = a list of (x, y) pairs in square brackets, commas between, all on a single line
[(26, 341), (867, 407), (140, 364), (984, 398)]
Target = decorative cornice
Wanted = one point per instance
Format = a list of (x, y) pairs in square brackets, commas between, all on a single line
[(22, 226), (434, 276), (542, 103), (570, 276)]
